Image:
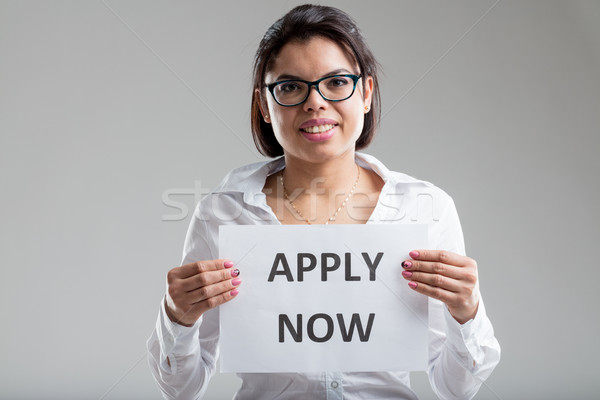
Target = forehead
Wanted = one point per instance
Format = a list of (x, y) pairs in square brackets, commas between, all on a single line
[(310, 59)]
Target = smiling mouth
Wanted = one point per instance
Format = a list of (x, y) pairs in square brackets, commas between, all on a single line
[(318, 128)]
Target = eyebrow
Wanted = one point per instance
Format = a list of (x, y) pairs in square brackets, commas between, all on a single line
[(283, 77)]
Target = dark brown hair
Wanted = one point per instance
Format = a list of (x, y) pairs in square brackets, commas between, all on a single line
[(301, 24)]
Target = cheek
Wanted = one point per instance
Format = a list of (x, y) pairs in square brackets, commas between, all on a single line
[(355, 118), (282, 122)]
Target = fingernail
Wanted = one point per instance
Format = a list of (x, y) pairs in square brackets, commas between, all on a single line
[(414, 254), (412, 284), (236, 281), (234, 292), (406, 274), (228, 264), (235, 272), (406, 264)]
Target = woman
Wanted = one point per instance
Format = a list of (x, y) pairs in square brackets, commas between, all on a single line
[(316, 101)]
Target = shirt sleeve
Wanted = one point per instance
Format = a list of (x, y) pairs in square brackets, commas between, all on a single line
[(182, 359), (463, 356)]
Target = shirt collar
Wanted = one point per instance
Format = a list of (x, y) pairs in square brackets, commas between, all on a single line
[(250, 179)]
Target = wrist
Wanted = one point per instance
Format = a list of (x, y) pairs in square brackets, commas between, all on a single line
[(464, 317), (173, 318)]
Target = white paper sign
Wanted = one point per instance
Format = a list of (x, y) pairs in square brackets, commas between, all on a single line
[(323, 298)]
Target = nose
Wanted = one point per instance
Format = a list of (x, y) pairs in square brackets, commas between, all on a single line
[(315, 101)]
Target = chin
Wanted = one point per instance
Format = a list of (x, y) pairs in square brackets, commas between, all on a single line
[(320, 154)]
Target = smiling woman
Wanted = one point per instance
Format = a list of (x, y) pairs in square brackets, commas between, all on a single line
[(323, 60), (318, 135), (319, 178)]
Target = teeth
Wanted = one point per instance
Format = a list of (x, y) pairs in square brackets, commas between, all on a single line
[(318, 129)]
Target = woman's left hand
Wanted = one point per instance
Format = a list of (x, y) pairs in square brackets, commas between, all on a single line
[(445, 276)]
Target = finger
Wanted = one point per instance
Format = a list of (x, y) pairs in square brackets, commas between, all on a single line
[(185, 271), (434, 292), (208, 278), (433, 280), (442, 256), (215, 301), (434, 268), (209, 291)]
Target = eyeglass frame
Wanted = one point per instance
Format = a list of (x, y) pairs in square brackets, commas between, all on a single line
[(271, 87)]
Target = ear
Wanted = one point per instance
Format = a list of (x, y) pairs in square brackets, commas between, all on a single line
[(262, 104), (368, 95)]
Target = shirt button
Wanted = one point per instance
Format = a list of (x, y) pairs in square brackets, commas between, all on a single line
[(334, 384)]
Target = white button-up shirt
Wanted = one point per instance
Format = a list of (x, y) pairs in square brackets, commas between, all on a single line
[(461, 357)]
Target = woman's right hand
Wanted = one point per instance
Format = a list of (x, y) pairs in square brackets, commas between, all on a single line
[(195, 288)]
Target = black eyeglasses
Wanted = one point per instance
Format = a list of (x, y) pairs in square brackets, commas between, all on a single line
[(292, 92)]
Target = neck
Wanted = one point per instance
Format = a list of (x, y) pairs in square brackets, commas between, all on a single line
[(331, 176)]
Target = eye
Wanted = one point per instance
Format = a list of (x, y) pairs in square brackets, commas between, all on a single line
[(289, 87), (338, 81)]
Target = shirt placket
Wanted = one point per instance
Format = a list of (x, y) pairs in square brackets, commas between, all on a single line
[(333, 383)]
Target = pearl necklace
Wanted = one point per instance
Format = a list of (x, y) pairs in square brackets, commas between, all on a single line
[(332, 218)]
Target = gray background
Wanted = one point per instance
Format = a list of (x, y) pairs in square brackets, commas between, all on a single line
[(107, 108)]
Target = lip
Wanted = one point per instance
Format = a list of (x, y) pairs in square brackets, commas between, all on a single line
[(317, 122), (319, 137)]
